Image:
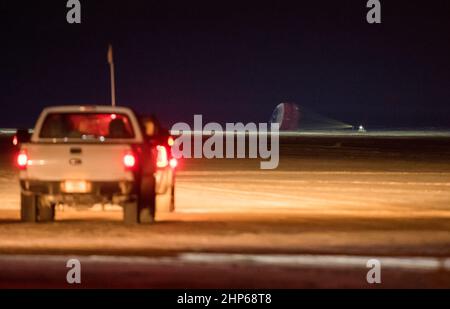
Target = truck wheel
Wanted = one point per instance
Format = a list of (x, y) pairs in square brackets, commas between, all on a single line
[(147, 200), (28, 209), (130, 212), (46, 213)]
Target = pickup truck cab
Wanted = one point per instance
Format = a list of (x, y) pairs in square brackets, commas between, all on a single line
[(82, 155)]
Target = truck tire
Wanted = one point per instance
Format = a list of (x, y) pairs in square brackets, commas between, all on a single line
[(46, 213), (130, 212), (28, 209), (147, 199)]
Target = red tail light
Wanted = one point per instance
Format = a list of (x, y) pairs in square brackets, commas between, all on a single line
[(161, 159), (129, 160), (22, 159)]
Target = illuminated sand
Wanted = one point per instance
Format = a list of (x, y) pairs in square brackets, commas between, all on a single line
[(345, 198), (372, 197)]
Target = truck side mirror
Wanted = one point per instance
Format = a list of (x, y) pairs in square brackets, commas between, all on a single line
[(22, 136)]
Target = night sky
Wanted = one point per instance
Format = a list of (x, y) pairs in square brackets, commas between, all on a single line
[(230, 61)]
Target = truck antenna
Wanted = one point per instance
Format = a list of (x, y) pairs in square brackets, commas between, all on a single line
[(111, 69)]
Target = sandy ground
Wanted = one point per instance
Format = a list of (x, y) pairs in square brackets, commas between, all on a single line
[(358, 197)]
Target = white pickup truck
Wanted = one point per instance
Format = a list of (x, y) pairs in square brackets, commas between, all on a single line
[(82, 155)]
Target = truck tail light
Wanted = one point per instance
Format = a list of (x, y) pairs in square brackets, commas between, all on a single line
[(22, 159), (161, 158), (129, 160)]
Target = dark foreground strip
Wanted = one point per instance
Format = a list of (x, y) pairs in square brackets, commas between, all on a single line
[(221, 298)]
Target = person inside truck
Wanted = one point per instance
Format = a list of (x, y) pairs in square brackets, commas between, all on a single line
[(117, 129)]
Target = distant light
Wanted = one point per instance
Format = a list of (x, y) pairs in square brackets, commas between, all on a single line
[(102, 138), (361, 129), (170, 141), (15, 141), (113, 116), (173, 163)]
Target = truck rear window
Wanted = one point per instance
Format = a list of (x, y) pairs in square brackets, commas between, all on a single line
[(87, 126)]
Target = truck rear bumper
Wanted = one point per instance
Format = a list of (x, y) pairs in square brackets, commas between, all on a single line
[(98, 188)]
